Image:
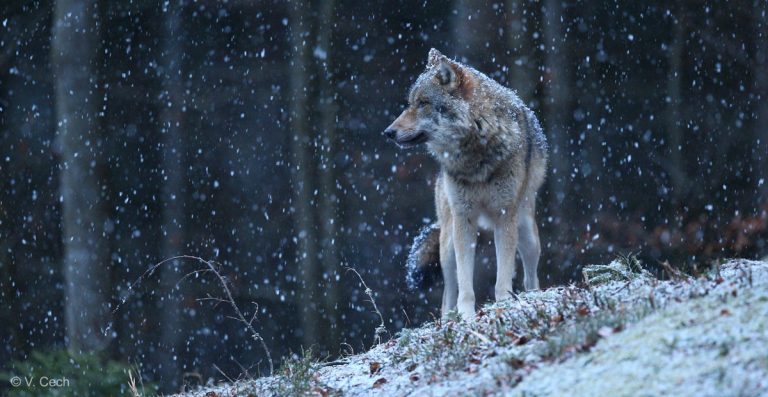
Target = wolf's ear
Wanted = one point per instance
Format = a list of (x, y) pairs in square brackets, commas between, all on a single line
[(446, 74), (454, 78), (435, 57)]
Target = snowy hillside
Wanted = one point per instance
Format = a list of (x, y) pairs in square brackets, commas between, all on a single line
[(624, 333)]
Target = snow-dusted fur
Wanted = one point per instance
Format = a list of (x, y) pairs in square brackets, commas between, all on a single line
[(493, 158), (423, 263)]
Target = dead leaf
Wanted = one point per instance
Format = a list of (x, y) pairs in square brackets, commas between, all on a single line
[(521, 340), (322, 392), (211, 394), (414, 377), (379, 382), (516, 363), (556, 319), (725, 312), (374, 368), (411, 367), (582, 310)]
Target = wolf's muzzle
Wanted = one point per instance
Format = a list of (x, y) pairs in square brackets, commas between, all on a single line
[(390, 133), (411, 140)]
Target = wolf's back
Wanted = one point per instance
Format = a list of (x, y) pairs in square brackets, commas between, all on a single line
[(423, 264)]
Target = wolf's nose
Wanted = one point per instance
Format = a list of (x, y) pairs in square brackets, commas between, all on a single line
[(390, 133)]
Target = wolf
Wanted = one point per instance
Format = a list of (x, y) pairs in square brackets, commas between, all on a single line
[(493, 159)]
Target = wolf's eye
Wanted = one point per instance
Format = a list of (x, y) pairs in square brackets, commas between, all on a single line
[(422, 104)]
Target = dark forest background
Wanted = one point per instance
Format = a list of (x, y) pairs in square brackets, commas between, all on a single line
[(249, 133)]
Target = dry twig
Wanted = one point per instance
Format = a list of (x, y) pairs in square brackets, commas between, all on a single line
[(210, 267), (381, 329)]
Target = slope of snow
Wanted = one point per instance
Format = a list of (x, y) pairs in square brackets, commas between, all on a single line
[(716, 345), (625, 333)]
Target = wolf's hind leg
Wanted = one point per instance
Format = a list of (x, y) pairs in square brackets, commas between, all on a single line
[(448, 265), (529, 245)]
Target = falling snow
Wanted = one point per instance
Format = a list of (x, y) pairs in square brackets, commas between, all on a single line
[(139, 140)]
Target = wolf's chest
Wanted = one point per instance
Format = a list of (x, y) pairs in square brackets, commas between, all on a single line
[(485, 202)]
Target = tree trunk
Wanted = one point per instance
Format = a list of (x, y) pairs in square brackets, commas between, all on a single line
[(172, 119), (556, 105), (303, 173), (675, 165), (329, 197), (591, 151), (74, 56), (522, 60), (313, 171), (761, 87)]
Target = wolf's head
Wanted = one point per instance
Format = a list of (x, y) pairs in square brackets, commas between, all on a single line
[(437, 104)]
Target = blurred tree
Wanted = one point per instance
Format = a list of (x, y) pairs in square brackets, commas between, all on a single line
[(557, 105), (675, 164), (522, 61), (761, 87), (590, 150), (74, 56), (302, 176), (328, 173), (313, 146), (174, 179)]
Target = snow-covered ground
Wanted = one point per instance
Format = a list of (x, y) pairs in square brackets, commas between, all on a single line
[(624, 334)]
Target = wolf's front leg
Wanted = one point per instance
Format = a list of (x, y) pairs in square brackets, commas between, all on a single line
[(505, 239), (448, 265), (465, 242)]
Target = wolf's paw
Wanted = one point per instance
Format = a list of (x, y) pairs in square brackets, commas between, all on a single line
[(503, 294), (531, 283), (467, 312)]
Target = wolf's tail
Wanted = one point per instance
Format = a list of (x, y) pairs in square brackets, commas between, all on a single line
[(423, 265)]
